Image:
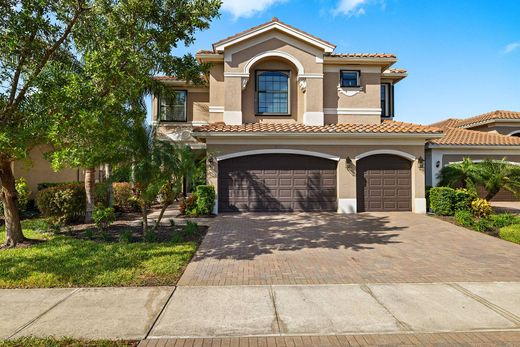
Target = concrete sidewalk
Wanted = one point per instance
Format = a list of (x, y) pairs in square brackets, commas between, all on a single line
[(278, 310)]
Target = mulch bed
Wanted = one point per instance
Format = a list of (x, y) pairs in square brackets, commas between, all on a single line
[(450, 219)]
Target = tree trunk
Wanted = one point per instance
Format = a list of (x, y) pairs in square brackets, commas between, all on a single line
[(144, 211), (490, 195), (90, 184), (161, 214), (8, 195), (108, 174)]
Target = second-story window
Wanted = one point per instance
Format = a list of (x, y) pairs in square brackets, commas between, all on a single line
[(172, 108), (349, 78), (272, 92), (387, 102)]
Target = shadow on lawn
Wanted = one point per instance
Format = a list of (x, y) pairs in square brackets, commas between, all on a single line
[(246, 236)]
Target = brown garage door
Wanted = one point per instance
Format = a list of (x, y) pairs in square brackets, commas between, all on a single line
[(277, 182), (384, 183)]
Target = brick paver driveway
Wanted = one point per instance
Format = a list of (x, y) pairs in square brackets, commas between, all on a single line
[(302, 248)]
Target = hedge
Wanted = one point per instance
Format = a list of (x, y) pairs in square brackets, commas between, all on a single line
[(442, 201), (65, 203), (205, 199)]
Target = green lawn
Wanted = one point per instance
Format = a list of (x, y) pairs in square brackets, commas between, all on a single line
[(510, 233), (63, 261), (63, 342)]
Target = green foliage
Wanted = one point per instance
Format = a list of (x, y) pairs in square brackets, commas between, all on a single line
[(504, 219), (463, 198), (121, 173), (101, 193), (465, 218), (510, 233), (126, 236), (150, 236), (188, 205), (198, 177), (482, 224), (23, 193), (123, 197), (497, 175), (65, 203), (103, 217), (205, 199), (442, 200), (63, 342), (190, 228), (481, 208), (44, 185), (464, 174)]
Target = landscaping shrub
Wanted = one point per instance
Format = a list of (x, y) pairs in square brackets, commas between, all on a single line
[(510, 233), (482, 224), (123, 197), (503, 219), (205, 199), (481, 208), (23, 193), (190, 228), (463, 199), (103, 217), (442, 200), (198, 176), (64, 203), (465, 218), (101, 193), (188, 205), (45, 185)]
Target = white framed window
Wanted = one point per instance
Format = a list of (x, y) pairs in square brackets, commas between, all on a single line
[(387, 102), (349, 78), (172, 108), (272, 92)]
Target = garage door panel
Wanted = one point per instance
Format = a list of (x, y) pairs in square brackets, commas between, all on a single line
[(384, 183), (277, 182)]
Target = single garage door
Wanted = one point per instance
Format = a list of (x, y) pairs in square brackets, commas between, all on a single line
[(276, 183), (384, 183)]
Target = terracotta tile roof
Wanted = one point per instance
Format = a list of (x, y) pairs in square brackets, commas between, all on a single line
[(395, 71), (386, 127), (487, 117), (447, 123), (205, 51), (165, 78), (460, 137), (273, 20), (362, 55)]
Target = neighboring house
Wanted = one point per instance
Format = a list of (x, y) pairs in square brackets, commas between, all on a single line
[(493, 135), (37, 169), (291, 125)]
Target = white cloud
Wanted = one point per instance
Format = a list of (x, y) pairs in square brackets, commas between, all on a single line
[(247, 8), (511, 47), (350, 7)]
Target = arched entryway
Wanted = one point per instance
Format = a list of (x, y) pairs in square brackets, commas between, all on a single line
[(384, 183), (277, 182)]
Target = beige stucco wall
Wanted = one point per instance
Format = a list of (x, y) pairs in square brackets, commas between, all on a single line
[(37, 169), (346, 180)]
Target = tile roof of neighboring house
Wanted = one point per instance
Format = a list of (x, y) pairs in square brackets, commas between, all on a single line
[(487, 117), (447, 123), (362, 55), (386, 127), (461, 137), (395, 70), (273, 20)]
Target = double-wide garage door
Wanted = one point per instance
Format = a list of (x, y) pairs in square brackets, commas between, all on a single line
[(384, 183), (276, 183)]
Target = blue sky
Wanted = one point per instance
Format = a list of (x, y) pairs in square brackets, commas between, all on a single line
[(463, 57)]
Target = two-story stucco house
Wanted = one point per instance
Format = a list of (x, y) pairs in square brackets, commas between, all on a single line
[(291, 125)]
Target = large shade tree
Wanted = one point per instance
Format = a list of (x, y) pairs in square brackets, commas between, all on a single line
[(108, 50)]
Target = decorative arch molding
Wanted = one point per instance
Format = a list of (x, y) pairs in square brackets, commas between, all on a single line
[(514, 133), (277, 151), (285, 55), (386, 151)]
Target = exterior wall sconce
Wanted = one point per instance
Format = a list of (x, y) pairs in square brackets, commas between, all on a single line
[(420, 161), (437, 163)]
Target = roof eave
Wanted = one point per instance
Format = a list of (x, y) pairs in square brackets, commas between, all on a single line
[(466, 146), (395, 77), (385, 63), (488, 121), (335, 134)]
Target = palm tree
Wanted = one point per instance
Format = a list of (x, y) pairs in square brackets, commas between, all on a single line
[(460, 175), (497, 175)]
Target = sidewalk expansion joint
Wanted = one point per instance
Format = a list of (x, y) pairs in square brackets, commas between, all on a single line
[(501, 311), (281, 327), (402, 325), (160, 313), (43, 313)]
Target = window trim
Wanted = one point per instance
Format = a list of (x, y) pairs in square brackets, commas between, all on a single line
[(389, 100), (259, 114), (358, 79), (160, 98)]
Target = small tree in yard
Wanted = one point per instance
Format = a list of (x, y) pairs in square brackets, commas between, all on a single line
[(158, 169), (464, 174), (72, 69), (497, 175)]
